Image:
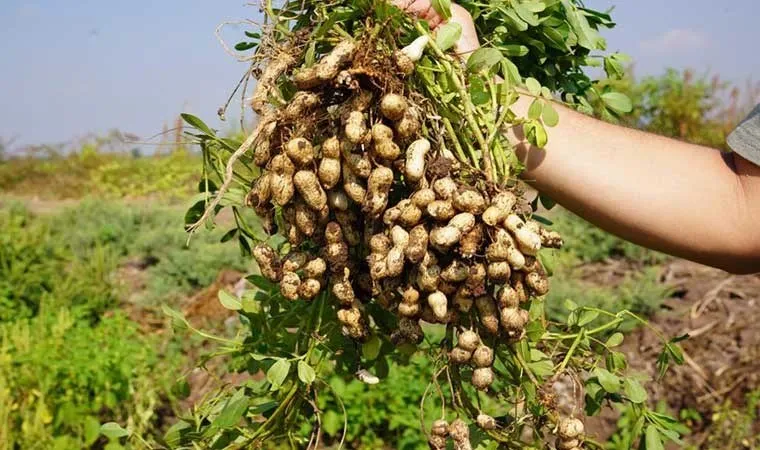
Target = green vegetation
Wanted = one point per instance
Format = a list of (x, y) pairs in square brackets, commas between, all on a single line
[(624, 275), (61, 374), (91, 172), (69, 358)]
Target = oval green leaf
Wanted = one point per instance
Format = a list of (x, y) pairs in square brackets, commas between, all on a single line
[(550, 115), (536, 108), (277, 374), (442, 7), (229, 301), (653, 440), (483, 59), (113, 430), (609, 381), (448, 35), (615, 340), (306, 373), (617, 102), (371, 348), (634, 391), (233, 410), (534, 87)]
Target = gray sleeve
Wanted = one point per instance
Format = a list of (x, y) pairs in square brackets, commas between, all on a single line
[(745, 139)]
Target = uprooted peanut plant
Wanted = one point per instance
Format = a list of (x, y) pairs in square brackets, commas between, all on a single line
[(389, 220)]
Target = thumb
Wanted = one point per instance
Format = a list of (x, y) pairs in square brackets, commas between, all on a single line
[(468, 42)]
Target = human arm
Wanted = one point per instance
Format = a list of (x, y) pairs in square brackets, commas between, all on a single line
[(678, 198)]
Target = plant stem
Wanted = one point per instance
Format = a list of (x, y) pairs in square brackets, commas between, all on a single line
[(570, 351), (458, 145), (525, 367), (469, 109)]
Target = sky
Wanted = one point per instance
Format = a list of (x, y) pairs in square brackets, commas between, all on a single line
[(70, 68)]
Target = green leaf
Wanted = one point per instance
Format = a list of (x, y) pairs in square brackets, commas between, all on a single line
[(229, 301), (587, 317), (233, 410), (250, 305), (536, 133), (332, 423), (174, 434), (634, 391), (113, 430), (653, 439), (550, 115), (534, 87), (261, 282), (547, 202), (675, 352), (609, 381), (535, 330), (616, 361), (229, 235), (277, 374), (478, 92), (198, 124), (536, 311), (587, 37), (515, 21), (515, 50), (243, 46), (483, 59), (548, 259), (442, 7), (510, 72), (371, 348), (541, 365), (615, 340), (448, 35), (178, 320), (536, 108), (594, 397), (306, 373), (245, 247), (526, 14), (252, 35), (91, 430), (617, 102), (570, 305)]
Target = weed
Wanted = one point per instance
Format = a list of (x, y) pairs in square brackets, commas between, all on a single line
[(55, 385)]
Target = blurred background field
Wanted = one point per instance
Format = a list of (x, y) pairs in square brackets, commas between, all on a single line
[(92, 245)]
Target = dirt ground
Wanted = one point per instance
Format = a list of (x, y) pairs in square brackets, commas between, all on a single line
[(721, 314)]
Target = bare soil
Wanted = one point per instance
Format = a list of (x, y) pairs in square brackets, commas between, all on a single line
[(721, 315)]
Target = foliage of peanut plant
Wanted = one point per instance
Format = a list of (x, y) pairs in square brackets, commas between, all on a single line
[(379, 196)]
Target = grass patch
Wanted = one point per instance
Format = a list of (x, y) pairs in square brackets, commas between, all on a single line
[(90, 172), (69, 359)]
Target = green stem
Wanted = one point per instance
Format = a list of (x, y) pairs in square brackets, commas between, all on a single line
[(524, 366), (596, 330), (469, 108), (570, 351), (458, 145)]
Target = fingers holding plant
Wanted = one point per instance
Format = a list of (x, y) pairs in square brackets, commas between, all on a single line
[(423, 9)]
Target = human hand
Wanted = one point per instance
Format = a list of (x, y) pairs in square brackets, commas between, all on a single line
[(423, 9)]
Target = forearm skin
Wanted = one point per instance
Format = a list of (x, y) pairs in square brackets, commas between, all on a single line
[(678, 198)]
